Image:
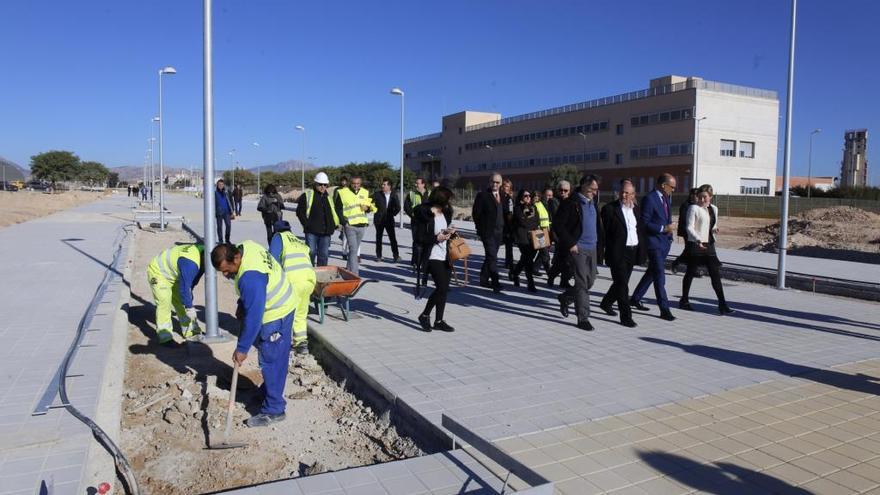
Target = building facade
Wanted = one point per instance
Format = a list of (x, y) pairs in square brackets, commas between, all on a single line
[(854, 167), (729, 131)]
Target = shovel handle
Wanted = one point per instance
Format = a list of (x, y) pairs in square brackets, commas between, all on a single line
[(231, 401)]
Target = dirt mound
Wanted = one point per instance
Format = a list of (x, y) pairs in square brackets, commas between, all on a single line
[(822, 231)]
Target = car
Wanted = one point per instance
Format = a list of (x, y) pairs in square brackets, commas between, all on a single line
[(8, 186), (36, 185)]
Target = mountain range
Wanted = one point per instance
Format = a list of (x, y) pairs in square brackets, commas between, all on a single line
[(135, 172)]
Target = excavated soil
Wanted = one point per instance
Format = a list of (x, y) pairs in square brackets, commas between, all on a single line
[(21, 206), (840, 232), (176, 399)]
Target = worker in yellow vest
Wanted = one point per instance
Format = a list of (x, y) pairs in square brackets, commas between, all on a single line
[(294, 256), (266, 306), (172, 276), (318, 217), (352, 205), (544, 222)]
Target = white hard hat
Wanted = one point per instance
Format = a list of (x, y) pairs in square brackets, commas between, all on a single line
[(321, 178)]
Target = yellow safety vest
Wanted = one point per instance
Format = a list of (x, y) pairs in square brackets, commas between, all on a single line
[(279, 293), (166, 261), (543, 215), (295, 259), (415, 198), (351, 206), (310, 195)]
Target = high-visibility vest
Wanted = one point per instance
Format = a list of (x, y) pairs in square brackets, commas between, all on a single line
[(543, 215), (351, 206), (279, 293), (295, 259), (166, 261), (416, 198), (310, 195)]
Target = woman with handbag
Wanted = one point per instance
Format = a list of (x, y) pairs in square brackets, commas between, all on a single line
[(525, 220), (432, 231)]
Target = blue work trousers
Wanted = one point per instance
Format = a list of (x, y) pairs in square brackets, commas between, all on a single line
[(319, 247), (273, 347), (655, 274)]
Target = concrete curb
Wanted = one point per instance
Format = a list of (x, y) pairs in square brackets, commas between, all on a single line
[(99, 464)]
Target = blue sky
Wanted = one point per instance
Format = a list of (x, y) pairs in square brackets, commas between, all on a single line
[(83, 75)]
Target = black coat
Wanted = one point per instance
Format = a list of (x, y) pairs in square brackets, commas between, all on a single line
[(485, 213), (320, 220), (614, 226), (385, 213), (567, 227), (423, 229), (525, 220), (682, 219)]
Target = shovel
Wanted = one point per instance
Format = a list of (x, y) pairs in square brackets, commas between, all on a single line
[(226, 444)]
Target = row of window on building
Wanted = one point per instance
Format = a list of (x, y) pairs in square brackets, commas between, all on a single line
[(661, 117), (540, 135), (658, 150), (746, 148), (545, 161)]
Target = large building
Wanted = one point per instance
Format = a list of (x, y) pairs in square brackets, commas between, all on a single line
[(729, 131), (854, 167)]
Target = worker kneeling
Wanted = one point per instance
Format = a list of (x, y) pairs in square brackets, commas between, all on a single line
[(172, 276), (294, 256), (265, 309)]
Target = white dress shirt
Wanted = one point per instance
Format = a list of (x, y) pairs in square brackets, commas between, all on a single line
[(438, 251), (632, 235)]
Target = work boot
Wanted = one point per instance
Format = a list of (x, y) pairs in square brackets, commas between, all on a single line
[(263, 419), (165, 337), (301, 349), (192, 331)]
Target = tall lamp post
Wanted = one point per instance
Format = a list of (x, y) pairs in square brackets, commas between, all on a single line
[(154, 120), (786, 168), (302, 164), (163, 71), (697, 153), (232, 165), (257, 146), (399, 92), (810, 164)]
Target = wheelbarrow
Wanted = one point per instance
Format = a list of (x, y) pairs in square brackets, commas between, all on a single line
[(335, 284)]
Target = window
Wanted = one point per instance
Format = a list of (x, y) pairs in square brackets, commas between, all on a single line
[(633, 154), (618, 159), (754, 186), (746, 149), (459, 130), (728, 147), (634, 121), (459, 150), (619, 129), (664, 117), (675, 115)]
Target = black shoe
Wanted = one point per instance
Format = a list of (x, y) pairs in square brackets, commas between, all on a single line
[(667, 315), (425, 322), (549, 283), (682, 304), (532, 287), (264, 420), (725, 310), (511, 276), (585, 325), (608, 310), (487, 285), (629, 323), (563, 305), (637, 305), (674, 268), (443, 326), (496, 287), (515, 281)]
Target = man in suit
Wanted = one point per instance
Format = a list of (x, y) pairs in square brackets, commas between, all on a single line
[(387, 206), (656, 217), (559, 266), (488, 214), (578, 228), (624, 248)]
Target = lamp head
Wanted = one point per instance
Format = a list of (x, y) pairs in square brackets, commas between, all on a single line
[(300, 128), (397, 91), (168, 70)]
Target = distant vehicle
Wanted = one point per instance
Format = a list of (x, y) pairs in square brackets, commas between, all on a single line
[(8, 186), (36, 185)]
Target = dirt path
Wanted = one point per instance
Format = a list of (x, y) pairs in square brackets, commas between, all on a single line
[(21, 206), (176, 398)]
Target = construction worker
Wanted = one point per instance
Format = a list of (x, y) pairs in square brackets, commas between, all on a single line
[(352, 205), (172, 276), (294, 256), (318, 217), (265, 309), (543, 259)]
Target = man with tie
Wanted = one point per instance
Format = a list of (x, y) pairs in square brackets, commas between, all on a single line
[(656, 218), (488, 215)]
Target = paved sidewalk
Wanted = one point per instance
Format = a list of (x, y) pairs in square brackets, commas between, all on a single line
[(52, 268)]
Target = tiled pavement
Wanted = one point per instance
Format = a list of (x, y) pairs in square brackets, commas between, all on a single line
[(514, 371), (52, 267)]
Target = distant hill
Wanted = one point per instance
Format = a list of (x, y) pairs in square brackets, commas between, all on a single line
[(285, 166), (131, 173), (12, 171)]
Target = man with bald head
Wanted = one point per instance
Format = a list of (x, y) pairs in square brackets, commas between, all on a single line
[(656, 217), (624, 248), (488, 215)]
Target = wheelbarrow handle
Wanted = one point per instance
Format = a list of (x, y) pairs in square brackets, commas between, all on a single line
[(363, 283)]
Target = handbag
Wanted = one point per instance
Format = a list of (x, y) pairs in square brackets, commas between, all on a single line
[(457, 248), (540, 239)]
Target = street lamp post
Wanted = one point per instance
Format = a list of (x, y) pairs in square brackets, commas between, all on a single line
[(152, 162), (697, 153), (810, 164), (786, 169), (232, 166), (165, 70), (399, 92), (257, 146), (303, 161)]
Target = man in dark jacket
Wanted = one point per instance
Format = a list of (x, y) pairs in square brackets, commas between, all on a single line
[(388, 206), (488, 214), (318, 218), (223, 210), (414, 198), (578, 232), (624, 247)]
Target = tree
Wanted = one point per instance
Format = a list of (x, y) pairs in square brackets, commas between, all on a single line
[(55, 166), (113, 180), (243, 178), (564, 172), (92, 173)]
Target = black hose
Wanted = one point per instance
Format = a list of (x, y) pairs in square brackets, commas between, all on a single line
[(122, 465)]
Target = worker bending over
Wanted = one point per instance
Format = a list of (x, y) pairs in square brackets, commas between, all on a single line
[(295, 257), (265, 309), (172, 276)]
